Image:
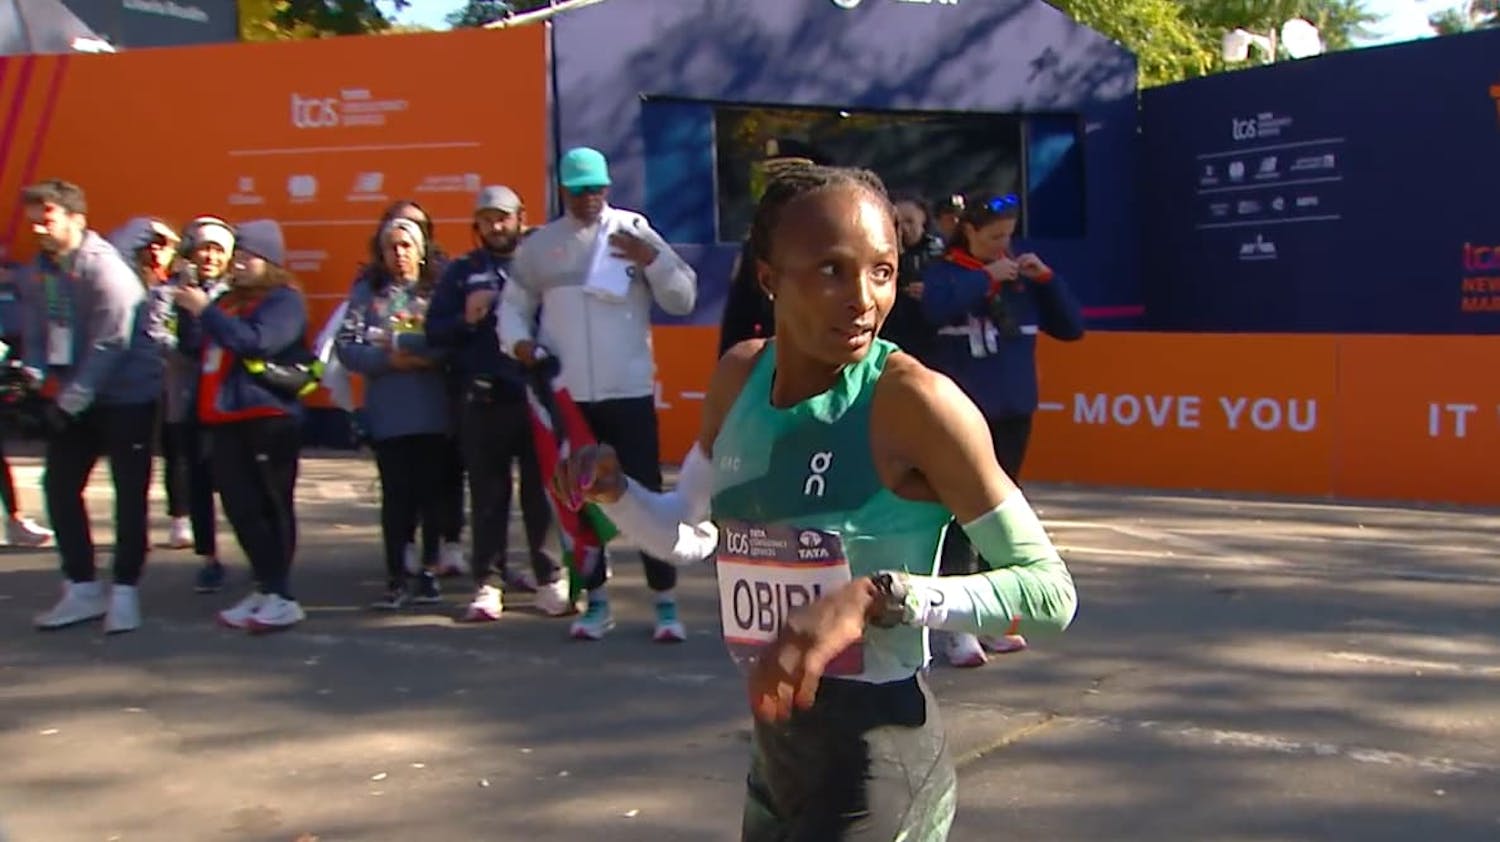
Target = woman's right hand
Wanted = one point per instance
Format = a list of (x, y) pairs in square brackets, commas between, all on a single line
[(591, 474), (1003, 269)]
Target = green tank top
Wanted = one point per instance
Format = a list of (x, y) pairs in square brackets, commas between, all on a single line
[(807, 472)]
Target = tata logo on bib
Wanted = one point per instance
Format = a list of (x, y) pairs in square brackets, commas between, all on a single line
[(314, 112), (811, 547)]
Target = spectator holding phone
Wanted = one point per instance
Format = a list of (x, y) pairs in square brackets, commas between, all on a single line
[(989, 307), (248, 339)]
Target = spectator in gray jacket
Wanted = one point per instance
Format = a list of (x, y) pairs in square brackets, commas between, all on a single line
[(151, 246), (384, 340), (86, 327)]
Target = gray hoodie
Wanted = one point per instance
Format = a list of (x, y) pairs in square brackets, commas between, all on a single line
[(397, 403), (99, 335)]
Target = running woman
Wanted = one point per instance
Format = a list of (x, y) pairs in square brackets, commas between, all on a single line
[(825, 473)]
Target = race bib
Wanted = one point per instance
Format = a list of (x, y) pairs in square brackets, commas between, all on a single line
[(59, 344), (767, 572)]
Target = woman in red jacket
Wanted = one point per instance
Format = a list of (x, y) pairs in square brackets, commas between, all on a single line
[(252, 420)]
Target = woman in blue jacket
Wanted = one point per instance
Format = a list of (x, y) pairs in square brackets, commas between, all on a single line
[(988, 308), (384, 340), (252, 421)]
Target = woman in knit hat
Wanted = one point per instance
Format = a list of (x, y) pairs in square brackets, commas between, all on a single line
[(254, 426), (384, 340)]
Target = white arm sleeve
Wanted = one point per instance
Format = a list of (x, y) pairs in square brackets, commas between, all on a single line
[(671, 525)]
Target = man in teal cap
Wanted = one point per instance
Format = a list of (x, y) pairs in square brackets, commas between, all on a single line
[(594, 274)]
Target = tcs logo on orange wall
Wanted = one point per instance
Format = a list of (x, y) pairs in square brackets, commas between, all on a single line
[(314, 112)]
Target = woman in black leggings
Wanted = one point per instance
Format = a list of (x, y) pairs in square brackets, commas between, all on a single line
[(254, 427)]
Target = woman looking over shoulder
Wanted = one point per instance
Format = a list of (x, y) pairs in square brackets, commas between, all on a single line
[(828, 466)]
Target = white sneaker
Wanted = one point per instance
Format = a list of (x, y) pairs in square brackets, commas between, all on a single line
[(595, 622), (181, 535), (486, 607), (124, 613), (276, 613), (553, 600), (964, 650), (412, 561), (451, 561), (239, 616), (81, 602), (25, 532)]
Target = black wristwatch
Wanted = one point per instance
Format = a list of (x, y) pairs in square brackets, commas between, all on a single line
[(890, 600)]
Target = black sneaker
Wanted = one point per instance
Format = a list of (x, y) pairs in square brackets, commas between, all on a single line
[(210, 577), (427, 591), (395, 598)]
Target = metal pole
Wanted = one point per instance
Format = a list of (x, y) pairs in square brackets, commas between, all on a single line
[(554, 7)]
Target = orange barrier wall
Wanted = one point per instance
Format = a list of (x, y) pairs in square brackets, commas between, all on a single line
[(320, 135), (1411, 418)]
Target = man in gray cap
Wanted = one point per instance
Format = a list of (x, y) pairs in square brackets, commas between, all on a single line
[(494, 422)]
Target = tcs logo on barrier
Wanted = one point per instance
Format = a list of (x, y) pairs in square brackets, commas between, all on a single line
[(314, 112)]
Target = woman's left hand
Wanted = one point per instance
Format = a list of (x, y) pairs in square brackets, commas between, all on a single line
[(787, 672), (1032, 268)]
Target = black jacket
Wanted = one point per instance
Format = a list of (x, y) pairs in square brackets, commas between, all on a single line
[(476, 348), (907, 325), (747, 310)]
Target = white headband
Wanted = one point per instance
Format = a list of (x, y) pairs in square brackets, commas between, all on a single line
[(211, 230), (412, 230)]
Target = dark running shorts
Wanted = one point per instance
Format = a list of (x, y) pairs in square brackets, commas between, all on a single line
[(868, 763)]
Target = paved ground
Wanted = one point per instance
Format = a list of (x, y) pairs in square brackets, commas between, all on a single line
[(1239, 671)]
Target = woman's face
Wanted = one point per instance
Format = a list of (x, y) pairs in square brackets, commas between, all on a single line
[(911, 221), (160, 253), (247, 267), (990, 241), (832, 273), (211, 259), (401, 257)]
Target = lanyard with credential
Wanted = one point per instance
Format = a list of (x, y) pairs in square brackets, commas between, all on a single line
[(59, 316)]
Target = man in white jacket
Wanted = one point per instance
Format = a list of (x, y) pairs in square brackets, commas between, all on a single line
[(594, 273)]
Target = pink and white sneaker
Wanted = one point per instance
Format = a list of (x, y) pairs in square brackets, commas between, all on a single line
[(1003, 644), (963, 650), (486, 606)]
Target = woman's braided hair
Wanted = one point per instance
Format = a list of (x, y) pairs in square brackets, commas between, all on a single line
[(794, 182)]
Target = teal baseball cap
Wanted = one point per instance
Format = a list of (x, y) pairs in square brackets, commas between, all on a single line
[(583, 167)]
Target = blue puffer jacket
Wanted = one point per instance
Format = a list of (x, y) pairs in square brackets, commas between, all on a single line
[(272, 329), (1001, 381)]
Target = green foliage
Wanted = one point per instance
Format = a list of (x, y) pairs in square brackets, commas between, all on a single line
[(481, 12), (1168, 44), (280, 20), (1178, 40), (1465, 17)]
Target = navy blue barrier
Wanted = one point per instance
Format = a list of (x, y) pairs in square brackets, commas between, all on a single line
[(1357, 192)]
